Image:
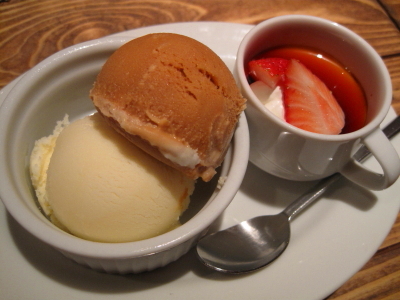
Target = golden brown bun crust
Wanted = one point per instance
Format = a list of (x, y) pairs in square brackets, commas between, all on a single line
[(173, 87)]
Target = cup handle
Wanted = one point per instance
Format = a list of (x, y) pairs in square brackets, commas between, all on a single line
[(386, 155)]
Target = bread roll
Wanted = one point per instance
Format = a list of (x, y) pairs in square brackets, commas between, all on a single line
[(174, 98)]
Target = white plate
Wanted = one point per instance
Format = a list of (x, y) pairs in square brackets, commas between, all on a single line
[(330, 242)]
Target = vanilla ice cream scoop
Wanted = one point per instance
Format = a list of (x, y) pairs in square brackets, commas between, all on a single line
[(101, 187)]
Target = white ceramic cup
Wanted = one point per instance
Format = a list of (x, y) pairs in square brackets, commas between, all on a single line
[(295, 154)]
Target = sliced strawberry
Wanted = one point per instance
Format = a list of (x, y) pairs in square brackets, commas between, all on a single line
[(309, 104), (271, 71)]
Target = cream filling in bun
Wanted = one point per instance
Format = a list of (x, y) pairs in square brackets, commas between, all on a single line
[(169, 146)]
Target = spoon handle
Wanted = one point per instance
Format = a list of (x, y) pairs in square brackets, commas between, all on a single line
[(315, 192)]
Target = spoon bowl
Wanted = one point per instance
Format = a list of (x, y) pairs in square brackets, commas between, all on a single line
[(253, 243)]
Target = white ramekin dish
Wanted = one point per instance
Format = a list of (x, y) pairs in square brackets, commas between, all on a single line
[(60, 85)]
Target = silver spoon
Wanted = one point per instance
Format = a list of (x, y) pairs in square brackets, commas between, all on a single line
[(255, 243)]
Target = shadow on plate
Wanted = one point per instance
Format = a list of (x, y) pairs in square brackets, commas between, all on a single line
[(278, 193), (352, 194)]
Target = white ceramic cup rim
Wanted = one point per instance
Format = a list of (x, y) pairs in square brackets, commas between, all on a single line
[(365, 130)]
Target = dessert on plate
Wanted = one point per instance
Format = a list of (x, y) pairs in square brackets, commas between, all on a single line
[(167, 110), (173, 97)]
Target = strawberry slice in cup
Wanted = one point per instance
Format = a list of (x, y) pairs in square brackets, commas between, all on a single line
[(307, 102)]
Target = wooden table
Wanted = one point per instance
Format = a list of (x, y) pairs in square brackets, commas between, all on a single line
[(31, 30)]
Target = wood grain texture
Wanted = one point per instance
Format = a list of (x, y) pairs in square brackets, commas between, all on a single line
[(393, 9), (378, 279), (393, 237), (393, 65), (32, 30)]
